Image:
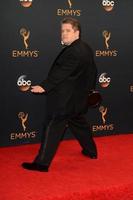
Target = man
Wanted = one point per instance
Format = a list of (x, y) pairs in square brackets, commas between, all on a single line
[(69, 80)]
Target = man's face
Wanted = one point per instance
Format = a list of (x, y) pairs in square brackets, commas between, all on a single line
[(68, 34)]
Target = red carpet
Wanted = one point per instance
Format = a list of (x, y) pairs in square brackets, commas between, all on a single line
[(71, 176)]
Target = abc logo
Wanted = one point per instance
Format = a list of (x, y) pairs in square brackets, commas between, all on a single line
[(23, 84), (108, 5), (104, 81), (26, 3)]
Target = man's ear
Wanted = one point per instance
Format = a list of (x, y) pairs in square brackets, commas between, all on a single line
[(77, 33)]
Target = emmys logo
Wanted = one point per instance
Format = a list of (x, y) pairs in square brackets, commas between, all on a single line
[(104, 127), (25, 34), (70, 11), (104, 80), (23, 118), (131, 88), (23, 84), (103, 112), (108, 5), (70, 3), (106, 35), (26, 3)]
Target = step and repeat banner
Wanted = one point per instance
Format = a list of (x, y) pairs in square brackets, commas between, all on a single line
[(29, 43)]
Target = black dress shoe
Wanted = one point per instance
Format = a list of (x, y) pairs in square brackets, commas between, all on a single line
[(35, 166), (86, 153)]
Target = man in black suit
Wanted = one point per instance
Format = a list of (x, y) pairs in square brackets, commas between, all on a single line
[(69, 80)]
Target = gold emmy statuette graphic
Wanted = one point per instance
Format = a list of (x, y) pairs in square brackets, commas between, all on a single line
[(26, 3), (23, 118), (103, 111), (70, 3), (106, 36), (25, 34)]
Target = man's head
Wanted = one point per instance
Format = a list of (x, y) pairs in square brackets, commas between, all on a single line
[(70, 30)]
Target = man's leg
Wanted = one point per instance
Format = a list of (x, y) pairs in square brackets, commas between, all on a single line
[(49, 144), (82, 132), (50, 141)]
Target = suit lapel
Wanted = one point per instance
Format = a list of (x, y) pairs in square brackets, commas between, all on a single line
[(58, 57), (62, 51)]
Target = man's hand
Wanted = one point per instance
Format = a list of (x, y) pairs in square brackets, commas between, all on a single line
[(37, 89)]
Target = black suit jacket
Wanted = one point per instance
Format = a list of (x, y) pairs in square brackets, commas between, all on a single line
[(69, 80)]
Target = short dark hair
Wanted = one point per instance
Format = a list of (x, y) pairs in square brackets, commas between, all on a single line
[(74, 22)]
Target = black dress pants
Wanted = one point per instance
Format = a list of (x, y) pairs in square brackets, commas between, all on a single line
[(54, 130)]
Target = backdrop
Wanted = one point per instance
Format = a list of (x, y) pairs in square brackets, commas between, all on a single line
[(29, 43)]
